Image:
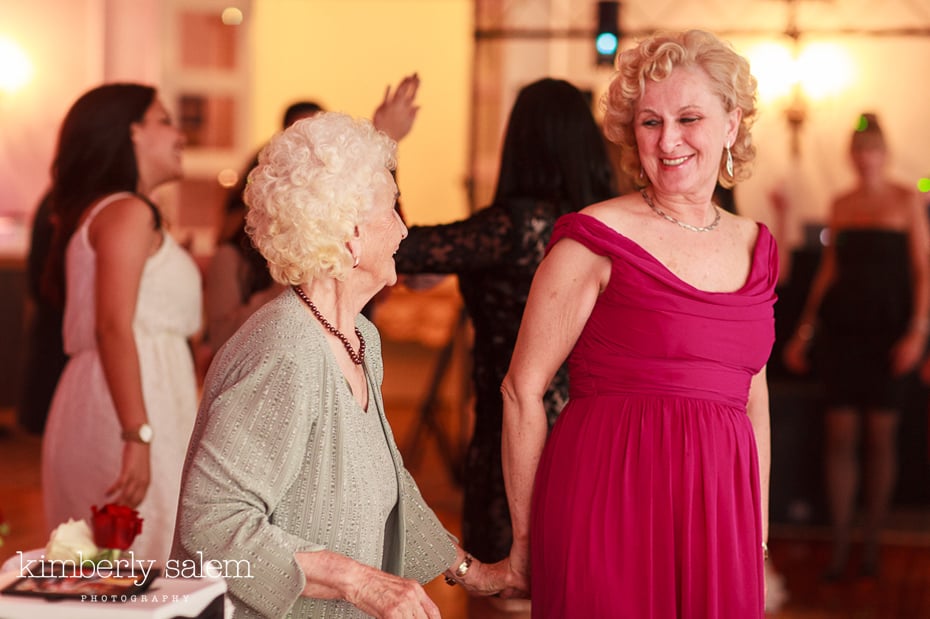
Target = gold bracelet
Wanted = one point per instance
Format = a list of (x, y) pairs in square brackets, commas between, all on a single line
[(460, 571)]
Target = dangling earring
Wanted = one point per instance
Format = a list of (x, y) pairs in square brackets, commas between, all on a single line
[(355, 263), (642, 174), (729, 161)]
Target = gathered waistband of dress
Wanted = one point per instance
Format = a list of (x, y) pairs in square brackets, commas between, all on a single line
[(659, 396)]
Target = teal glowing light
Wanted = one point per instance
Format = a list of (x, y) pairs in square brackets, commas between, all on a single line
[(923, 185), (606, 43)]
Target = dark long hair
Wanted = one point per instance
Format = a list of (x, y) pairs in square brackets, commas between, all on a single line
[(94, 158), (554, 150)]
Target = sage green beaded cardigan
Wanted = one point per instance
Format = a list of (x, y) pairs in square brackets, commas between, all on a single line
[(266, 473)]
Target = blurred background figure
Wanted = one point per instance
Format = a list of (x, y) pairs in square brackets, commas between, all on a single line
[(45, 354), (124, 407), (553, 161), (866, 316)]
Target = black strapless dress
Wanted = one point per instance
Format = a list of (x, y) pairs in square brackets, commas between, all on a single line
[(865, 311)]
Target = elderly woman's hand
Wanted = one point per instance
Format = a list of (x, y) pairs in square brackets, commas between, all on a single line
[(485, 579), (387, 596), (331, 575)]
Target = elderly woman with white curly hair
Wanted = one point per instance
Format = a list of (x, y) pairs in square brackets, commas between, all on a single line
[(292, 466)]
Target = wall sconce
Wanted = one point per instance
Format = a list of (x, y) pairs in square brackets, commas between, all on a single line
[(798, 77), (15, 67)]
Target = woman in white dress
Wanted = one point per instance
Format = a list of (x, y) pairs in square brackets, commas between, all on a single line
[(124, 408)]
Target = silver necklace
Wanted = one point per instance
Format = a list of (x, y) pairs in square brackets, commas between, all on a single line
[(712, 225)]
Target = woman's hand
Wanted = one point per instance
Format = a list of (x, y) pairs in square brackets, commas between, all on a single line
[(387, 596), (134, 477), (906, 353), (519, 561), (397, 111), (795, 354), (333, 576), (484, 579)]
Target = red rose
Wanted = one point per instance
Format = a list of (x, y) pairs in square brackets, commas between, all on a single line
[(115, 526)]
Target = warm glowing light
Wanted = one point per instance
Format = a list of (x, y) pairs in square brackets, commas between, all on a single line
[(15, 68), (227, 178), (923, 185), (824, 69), (232, 16), (821, 70), (774, 69)]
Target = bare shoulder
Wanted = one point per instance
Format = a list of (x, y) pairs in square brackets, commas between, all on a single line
[(127, 217), (617, 213), (743, 228), (123, 210), (905, 194)]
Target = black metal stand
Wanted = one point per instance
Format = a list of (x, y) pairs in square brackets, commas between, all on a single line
[(450, 450)]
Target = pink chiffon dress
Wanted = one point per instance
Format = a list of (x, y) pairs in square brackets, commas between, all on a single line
[(647, 502)]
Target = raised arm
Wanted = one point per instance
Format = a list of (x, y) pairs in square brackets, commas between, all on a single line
[(397, 111), (563, 294)]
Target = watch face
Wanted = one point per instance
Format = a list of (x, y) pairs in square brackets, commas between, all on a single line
[(145, 433)]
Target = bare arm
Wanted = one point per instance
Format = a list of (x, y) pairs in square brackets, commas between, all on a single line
[(910, 347), (795, 353), (123, 237), (758, 410), (330, 575), (563, 294)]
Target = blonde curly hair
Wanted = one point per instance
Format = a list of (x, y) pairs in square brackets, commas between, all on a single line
[(311, 188), (654, 58)]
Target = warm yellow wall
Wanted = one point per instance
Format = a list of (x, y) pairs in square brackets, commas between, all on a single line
[(343, 53)]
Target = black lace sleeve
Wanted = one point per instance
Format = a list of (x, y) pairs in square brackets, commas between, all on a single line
[(479, 242)]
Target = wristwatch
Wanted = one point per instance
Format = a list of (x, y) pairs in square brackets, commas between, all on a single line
[(143, 434)]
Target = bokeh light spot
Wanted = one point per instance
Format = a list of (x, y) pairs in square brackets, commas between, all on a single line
[(232, 16), (15, 67), (227, 178)]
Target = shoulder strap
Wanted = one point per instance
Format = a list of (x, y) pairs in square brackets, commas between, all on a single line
[(156, 214)]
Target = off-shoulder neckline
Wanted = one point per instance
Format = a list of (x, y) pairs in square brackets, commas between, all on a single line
[(639, 249)]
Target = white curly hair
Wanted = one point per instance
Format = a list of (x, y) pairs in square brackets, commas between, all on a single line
[(311, 188)]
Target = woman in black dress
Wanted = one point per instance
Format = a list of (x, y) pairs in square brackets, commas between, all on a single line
[(868, 312), (554, 161)]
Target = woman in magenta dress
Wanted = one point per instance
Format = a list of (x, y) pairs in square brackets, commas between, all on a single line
[(649, 498)]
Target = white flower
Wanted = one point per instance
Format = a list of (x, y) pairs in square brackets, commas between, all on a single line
[(71, 541)]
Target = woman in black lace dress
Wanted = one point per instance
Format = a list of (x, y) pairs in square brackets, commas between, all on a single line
[(554, 161)]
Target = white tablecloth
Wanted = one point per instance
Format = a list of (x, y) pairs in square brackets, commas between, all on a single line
[(165, 598)]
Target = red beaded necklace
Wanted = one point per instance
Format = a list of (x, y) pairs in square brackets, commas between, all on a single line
[(357, 359)]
